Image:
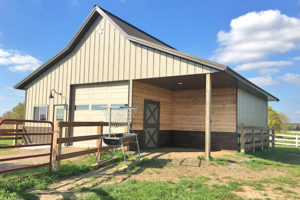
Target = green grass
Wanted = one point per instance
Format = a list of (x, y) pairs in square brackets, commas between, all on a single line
[(280, 157), (6, 143), (218, 161), (195, 188), (18, 188)]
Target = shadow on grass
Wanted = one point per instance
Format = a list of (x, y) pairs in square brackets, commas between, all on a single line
[(281, 154)]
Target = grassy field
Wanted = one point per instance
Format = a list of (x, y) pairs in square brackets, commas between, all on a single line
[(264, 175)]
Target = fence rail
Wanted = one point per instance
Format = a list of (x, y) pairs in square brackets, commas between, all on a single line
[(252, 137), (290, 140), (59, 140)]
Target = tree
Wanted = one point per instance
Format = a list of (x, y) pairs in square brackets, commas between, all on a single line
[(284, 122), (274, 119), (16, 113)]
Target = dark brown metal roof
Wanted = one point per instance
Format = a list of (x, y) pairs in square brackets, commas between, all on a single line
[(134, 31)]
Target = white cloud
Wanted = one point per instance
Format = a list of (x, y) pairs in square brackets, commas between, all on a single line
[(17, 61), (268, 71), (257, 35), (20, 93), (263, 64), (291, 78), (297, 112), (263, 80), (296, 58), (1, 98)]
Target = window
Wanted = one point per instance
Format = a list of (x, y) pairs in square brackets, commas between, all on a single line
[(118, 106), (99, 107), (81, 107), (60, 114), (40, 113)]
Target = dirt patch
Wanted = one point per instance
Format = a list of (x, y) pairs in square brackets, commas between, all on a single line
[(175, 164), (30, 161)]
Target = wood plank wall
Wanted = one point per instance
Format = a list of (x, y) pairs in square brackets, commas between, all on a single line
[(184, 110), (142, 91)]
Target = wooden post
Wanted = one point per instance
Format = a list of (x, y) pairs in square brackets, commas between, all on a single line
[(268, 131), (126, 131), (56, 147), (15, 142), (253, 142), (273, 138), (262, 139), (242, 138), (99, 132), (208, 117)]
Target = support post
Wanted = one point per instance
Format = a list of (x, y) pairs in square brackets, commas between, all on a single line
[(208, 117), (56, 147), (130, 93), (273, 138), (242, 138), (297, 140)]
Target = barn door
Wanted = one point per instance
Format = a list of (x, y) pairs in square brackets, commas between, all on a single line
[(151, 124)]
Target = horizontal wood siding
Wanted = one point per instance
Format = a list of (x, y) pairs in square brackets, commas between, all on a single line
[(252, 110), (188, 110), (185, 109), (142, 91), (100, 58)]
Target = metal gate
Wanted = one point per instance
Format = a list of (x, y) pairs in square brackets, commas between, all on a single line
[(15, 134), (151, 124)]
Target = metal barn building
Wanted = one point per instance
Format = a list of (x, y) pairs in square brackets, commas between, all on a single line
[(179, 97)]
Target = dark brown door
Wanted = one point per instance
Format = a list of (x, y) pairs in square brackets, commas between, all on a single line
[(151, 124)]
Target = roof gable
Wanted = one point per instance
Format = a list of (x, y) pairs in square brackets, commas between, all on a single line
[(134, 35), (131, 30)]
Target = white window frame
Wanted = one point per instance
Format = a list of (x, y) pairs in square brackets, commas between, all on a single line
[(39, 116)]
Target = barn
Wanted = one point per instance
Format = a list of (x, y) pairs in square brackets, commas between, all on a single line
[(180, 98)]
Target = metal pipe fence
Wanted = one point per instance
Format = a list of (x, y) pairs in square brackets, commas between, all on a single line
[(14, 133)]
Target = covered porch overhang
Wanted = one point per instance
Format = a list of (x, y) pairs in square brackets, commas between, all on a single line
[(192, 107)]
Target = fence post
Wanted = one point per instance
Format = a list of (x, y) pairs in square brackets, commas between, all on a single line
[(262, 139), (99, 132), (268, 131), (273, 138), (242, 138), (253, 142), (297, 141), (15, 142), (56, 146), (126, 129)]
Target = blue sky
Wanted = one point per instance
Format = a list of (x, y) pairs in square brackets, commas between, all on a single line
[(259, 39)]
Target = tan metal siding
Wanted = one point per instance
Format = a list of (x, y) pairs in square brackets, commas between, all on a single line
[(252, 110), (103, 58)]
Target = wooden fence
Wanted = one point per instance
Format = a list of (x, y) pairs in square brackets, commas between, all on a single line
[(59, 140), (252, 137), (290, 140), (12, 127)]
